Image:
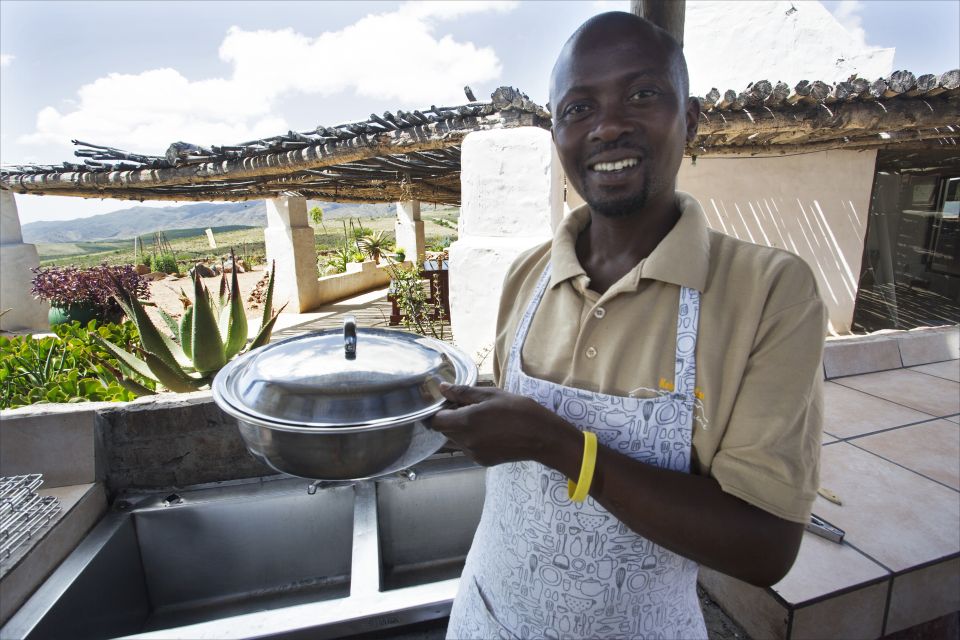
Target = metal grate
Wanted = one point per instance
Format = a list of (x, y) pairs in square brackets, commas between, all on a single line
[(22, 511)]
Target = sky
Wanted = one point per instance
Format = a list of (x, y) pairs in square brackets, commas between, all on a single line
[(140, 75)]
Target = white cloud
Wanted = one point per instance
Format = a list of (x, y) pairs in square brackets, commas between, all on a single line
[(449, 9), (6, 59), (847, 14), (393, 56)]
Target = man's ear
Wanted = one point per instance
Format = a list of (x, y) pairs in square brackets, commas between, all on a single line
[(693, 118)]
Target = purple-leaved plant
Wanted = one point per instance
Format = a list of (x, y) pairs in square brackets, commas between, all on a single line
[(64, 286)]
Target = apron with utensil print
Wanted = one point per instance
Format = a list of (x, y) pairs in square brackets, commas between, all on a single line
[(542, 566)]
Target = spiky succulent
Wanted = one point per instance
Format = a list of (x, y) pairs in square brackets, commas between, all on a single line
[(210, 333)]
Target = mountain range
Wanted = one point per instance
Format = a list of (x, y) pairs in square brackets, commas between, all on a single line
[(127, 223)]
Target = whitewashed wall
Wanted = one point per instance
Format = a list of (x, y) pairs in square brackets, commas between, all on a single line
[(511, 193), (730, 44), (26, 313), (814, 205)]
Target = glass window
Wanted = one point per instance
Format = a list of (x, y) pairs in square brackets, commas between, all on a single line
[(911, 263)]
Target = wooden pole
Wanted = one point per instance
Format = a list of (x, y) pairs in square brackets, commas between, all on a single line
[(666, 14)]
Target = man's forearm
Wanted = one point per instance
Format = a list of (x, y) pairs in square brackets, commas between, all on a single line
[(688, 514)]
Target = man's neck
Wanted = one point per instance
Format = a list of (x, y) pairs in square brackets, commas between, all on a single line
[(609, 248)]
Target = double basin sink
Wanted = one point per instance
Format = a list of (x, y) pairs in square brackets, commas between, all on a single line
[(266, 558)]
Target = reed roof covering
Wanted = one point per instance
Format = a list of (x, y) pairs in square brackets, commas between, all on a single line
[(397, 156), (901, 111), (416, 155)]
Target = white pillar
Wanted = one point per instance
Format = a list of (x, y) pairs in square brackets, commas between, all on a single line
[(511, 194), (26, 313), (409, 230), (289, 240)]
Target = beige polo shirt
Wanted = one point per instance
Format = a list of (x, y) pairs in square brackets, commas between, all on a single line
[(762, 325)]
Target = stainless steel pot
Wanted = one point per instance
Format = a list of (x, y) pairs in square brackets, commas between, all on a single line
[(342, 405)]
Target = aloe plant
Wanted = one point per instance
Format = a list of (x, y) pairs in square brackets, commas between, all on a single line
[(374, 245), (211, 332)]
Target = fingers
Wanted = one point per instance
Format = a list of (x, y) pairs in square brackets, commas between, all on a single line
[(464, 395), (448, 421)]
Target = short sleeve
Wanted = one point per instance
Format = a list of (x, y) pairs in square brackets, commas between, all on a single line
[(770, 453)]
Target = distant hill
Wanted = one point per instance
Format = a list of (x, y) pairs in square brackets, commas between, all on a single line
[(127, 223)]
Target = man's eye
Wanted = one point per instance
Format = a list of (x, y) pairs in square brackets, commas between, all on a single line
[(575, 110), (643, 93)]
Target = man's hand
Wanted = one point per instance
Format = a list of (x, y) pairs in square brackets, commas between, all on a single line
[(494, 426)]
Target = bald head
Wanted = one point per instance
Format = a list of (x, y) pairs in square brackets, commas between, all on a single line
[(619, 29)]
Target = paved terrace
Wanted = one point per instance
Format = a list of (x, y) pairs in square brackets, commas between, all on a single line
[(370, 309)]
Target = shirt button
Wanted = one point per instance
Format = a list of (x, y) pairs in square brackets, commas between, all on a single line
[(591, 352), (600, 312)]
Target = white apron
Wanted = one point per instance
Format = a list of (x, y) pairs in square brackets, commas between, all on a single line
[(542, 566)]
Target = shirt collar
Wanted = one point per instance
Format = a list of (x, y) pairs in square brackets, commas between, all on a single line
[(681, 258)]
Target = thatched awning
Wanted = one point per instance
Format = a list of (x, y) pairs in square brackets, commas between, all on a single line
[(416, 155), (902, 111), (397, 156)]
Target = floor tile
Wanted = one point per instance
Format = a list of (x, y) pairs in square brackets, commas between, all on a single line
[(949, 369), (919, 391), (893, 515), (823, 567), (930, 448), (924, 594), (853, 616), (848, 412), (826, 438)]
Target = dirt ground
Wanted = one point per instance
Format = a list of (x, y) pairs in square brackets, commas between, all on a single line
[(166, 294)]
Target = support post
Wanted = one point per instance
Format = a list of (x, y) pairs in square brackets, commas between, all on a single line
[(409, 231), (666, 14), (289, 240), (26, 313), (511, 195)]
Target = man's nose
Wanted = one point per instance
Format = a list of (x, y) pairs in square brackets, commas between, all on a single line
[(612, 124)]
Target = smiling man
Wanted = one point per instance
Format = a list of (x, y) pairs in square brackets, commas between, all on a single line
[(660, 401)]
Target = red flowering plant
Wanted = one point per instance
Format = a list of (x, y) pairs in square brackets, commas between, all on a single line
[(92, 287)]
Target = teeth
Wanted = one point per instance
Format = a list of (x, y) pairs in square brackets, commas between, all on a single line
[(615, 166)]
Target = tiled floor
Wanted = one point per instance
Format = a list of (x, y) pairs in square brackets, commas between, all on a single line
[(933, 395), (949, 369), (370, 310)]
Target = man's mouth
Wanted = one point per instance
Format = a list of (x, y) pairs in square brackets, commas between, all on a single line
[(618, 165)]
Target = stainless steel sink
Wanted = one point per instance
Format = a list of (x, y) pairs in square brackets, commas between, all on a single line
[(265, 558)]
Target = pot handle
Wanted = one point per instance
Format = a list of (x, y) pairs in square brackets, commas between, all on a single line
[(350, 337)]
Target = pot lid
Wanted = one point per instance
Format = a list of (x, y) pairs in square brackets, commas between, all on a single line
[(344, 378)]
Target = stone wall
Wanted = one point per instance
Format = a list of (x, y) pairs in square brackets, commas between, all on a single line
[(156, 442)]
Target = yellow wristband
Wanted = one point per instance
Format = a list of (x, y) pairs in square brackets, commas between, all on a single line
[(578, 492)]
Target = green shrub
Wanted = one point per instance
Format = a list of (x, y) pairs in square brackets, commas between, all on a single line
[(73, 367), (412, 296), (165, 262)]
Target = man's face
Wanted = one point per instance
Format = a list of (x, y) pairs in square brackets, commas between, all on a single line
[(620, 123)]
